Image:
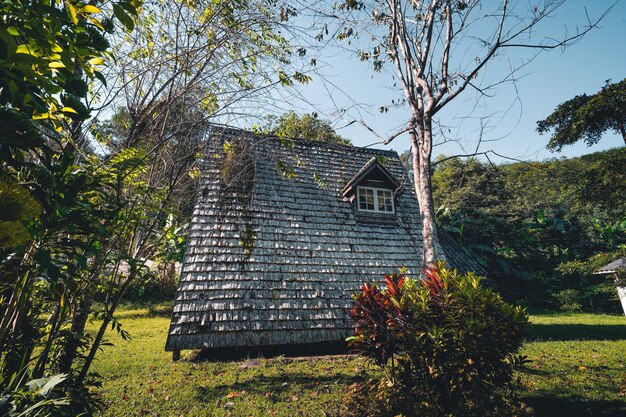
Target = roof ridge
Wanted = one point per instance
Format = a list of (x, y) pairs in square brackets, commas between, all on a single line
[(306, 142)]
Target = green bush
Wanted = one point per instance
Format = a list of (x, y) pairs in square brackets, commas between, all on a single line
[(447, 347), (569, 300), (579, 288)]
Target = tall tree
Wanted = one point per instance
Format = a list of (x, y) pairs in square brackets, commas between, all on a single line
[(439, 49), (185, 66), (219, 58), (587, 117)]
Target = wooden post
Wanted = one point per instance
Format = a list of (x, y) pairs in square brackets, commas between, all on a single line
[(176, 355)]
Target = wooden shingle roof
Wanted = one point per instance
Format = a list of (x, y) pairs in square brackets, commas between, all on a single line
[(275, 251)]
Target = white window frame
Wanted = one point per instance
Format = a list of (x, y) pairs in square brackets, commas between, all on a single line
[(375, 192)]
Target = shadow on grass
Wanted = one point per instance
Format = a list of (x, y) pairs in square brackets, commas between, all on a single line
[(564, 332), (293, 350), (552, 407), (274, 386), (533, 371)]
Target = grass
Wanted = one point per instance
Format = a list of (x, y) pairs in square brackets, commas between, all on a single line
[(578, 369), (578, 365)]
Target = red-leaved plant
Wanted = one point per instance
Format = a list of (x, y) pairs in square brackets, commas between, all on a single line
[(447, 346), (379, 317), (432, 280)]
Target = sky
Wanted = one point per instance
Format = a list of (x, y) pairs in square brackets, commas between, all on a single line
[(552, 77)]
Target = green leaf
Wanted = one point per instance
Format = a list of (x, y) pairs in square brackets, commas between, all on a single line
[(26, 49), (91, 9), (129, 7), (123, 17), (100, 77), (71, 11), (13, 31), (43, 386), (284, 79), (541, 216)]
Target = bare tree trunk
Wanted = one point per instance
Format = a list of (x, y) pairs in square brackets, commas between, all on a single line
[(106, 320), (421, 138)]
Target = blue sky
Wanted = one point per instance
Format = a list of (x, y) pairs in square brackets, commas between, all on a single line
[(551, 78)]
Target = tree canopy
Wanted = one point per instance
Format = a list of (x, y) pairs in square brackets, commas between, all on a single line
[(307, 126), (587, 118), (538, 227)]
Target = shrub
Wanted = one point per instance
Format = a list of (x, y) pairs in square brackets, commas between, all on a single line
[(569, 300), (447, 346)]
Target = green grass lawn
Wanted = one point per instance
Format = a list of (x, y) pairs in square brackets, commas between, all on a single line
[(578, 368), (578, 365)]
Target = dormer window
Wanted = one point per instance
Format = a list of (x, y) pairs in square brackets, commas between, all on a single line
[(373, 191), (375, 200)]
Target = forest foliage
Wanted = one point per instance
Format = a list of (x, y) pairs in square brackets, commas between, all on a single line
[(307, 126), (540, 229)]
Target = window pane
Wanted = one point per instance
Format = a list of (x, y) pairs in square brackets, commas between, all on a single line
[(371, 199), (366, 199), (384, 201)]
